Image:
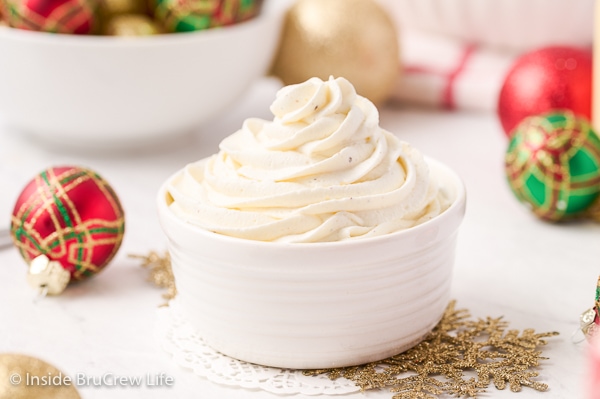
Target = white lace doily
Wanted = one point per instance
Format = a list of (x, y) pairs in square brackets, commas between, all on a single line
[(180, 339)]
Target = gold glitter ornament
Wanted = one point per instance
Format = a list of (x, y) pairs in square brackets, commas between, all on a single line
[(19, 376), (114, 7), (354, 39), (131, 25)]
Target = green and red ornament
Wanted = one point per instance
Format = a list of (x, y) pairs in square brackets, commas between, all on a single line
[(67, 216), (55, 16), (193, 15), (549, 78), (553, 165)]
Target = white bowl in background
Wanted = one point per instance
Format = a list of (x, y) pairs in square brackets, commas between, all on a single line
[(517, 25), (114, 92), (316, 305)]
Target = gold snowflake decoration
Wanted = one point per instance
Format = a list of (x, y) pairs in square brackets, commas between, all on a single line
[(460, 357), (161, 273)]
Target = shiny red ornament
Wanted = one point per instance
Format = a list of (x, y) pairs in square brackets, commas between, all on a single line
[(71, 215), (55, 16), (547, 79)]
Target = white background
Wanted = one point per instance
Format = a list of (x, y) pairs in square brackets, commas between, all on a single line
[(535, 274)]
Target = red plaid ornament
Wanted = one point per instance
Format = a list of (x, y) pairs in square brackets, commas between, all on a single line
[(56, 16), (71, 215)]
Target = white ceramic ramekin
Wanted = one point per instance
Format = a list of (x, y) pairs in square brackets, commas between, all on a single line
[(316, 305)]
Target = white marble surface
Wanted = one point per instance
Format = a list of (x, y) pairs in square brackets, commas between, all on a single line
[(537, 275)]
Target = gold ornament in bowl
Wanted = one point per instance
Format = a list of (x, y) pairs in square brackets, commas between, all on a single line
[(131, 25), (114, 7)]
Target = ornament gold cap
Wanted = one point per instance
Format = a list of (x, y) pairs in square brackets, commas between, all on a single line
[(588, 320), (48, 276)]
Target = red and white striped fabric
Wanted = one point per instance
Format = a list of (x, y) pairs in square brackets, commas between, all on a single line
[(456, 53), (444, 72)]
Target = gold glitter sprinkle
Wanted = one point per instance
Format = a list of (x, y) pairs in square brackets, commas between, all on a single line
[(161, 273), (460, 357)]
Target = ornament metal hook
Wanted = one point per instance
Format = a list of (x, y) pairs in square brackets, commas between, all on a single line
[(578, 336), (41, 294), (5, 239)]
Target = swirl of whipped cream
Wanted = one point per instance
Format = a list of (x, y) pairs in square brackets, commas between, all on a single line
[(322, 170)]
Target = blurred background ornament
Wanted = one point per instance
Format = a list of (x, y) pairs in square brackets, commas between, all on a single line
[(592, 374), (131, 25), (71, 215), (125, 18), (596, 75), (116, 7), (354, 39), (192, 15), (55, 16), (553, 165), (17, 372), (546, 79)]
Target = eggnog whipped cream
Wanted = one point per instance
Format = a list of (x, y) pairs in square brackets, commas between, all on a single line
[(322, 170)]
